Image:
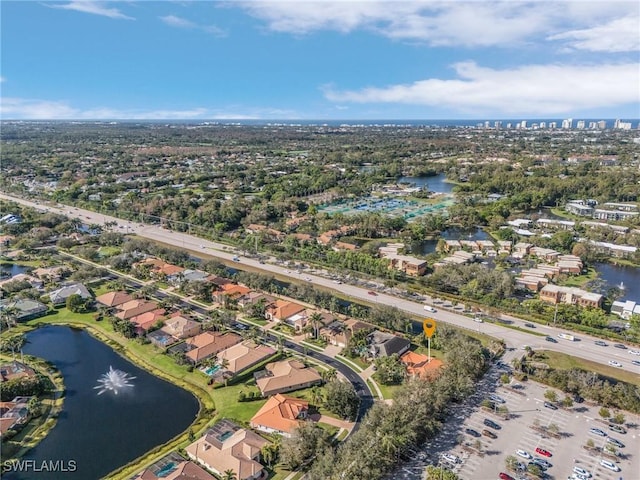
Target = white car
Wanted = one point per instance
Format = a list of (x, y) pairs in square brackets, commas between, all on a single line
[(582, 472), (610, 465), (613, 363), (449, 457), (634, 352), (524, 454), (478, 319), (429, 308)]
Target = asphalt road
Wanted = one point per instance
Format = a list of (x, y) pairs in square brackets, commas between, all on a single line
[(584, 347)]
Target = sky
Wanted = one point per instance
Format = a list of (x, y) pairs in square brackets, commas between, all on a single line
[(208, 60)]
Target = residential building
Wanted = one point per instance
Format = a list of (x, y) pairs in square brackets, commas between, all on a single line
[(229, 292), (147, 320), (382, 344), (614, 215), (580, 209), (412, 266), (281, 414), (134, 308), (283, 310), (181, 327), (244, 355), (286, 376), (14, 414), (114, 299), (174, 467), (338, 333), (54, 274), (553, 224), (24, 308), (619, 251), (15, 370), (227, 446), (625, 309), (555, 294), (419, 365), (208, 344), (59, 296), (35, 282)]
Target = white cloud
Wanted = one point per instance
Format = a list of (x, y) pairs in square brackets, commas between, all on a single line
[(93, 7), (528, 89), (36, 109), (179, 22), (440, 23), (618, 35)]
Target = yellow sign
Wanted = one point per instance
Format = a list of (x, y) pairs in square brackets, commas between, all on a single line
[(429, 326)]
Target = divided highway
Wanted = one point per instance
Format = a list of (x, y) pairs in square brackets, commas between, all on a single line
[(583, 348)]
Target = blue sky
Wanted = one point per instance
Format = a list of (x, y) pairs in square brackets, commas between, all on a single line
[(319, 60)]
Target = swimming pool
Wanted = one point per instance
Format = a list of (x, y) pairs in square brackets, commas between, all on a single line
[(211, 371)]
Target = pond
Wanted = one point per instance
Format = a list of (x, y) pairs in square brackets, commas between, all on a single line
[(101, 432), (626, 278), (8, 270), (436, 183), (429, 246)]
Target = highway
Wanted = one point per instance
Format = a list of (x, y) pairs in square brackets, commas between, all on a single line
[(584, 347)]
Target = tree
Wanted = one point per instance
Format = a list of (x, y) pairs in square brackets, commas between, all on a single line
[(440, 473), (534, 469), (341, 399), (604, 413), (618, 418), (306, 441), (511, 462), (316, 396), (75, 303), (553, 428), (35, 407), (389, 370), (229, 475), (315, 320), (567, 402), (591, 444), (270, 453), (504, 378), (551, 395)]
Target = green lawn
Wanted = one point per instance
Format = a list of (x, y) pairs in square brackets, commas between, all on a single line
[(580, 280), (388, 391), (227, 405), (562, 361)]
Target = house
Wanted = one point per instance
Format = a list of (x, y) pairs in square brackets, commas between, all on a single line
[(338, 333), (24, 308), (229, 291), (579, 209), (59, 296), (208, 344), (546, 254), (281, 414), (174, 467), (382, 344), (15, 370), (227, 446), (14, 414), (412, 266), (187, 276), (147, 320), (625, 309), (419, 365), (344, 246), (244, 355), (54, 274), (286, 376), (114, 299), (282, 310), (553, 224), (35, 282), (135, 307), (555, 294), (253, 298), (181, 327), (521, 249), (614, 250)]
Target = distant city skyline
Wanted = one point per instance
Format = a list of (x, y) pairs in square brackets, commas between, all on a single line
[(320, 60)]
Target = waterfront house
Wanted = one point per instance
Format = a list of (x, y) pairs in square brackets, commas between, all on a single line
[(286, 376), (281, 414)]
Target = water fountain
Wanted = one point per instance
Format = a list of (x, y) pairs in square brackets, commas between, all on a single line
[(113, 381), (621, 286)]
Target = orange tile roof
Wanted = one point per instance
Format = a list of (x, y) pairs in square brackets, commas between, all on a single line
[(210, 343), (148, 319), (231, 289), (134, 308), (283, 309), (418, 364), (280, 413), (111, 299)]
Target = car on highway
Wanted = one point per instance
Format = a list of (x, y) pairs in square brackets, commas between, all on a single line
[(620, 346), (551, 339), (610, 465), (617, 428), (616, 442), (472, 432), (524, 454), (372, 293), (600, 343), (492, 424), (635, 362), (236, 259), (337, 282), (505, 476), (478, 320), (489, 433), (597, 431), (613, 363), (449, 457), (529, 325), (429, 308), (543, 452), (550, 406), (634, 352)]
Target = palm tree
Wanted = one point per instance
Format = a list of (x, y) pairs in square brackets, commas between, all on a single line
[(315, 320), (329, 374), (229, 475), (316, 396), (269, 453)]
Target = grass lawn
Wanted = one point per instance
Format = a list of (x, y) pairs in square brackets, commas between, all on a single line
[(388, 391), (562, 361), (227, 405), (108, 251), (580, 280)]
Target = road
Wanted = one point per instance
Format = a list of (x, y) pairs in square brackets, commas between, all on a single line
[(583, 348)]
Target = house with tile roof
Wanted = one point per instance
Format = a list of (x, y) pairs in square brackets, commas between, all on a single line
[(147, 320), (281, 414), (174, 467), (227, 446), (286, 376), (134, 308), (113, 299), (181, 327), (208, 344), (418, 365), (244, 355), (282, 310), (230, 291), (59, 296)]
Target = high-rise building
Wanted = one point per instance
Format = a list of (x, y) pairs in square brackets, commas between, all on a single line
[(553, 125), (543, 124), (497, 125), (602, 124), (592, 125), (523, 124), (580, 125), (567, 123)]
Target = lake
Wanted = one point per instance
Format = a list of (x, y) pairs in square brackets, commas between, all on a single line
[(429, 246), (436, 183), (103, 432), (8, 270), (620, 276)]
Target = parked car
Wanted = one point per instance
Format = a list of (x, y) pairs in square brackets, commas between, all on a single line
[(489, 433), (543, 452), (472, 432), (617, 428), (550, 405), (497, 398), (609, 465), (541, 467), (542, 463), (581, 471), (505, 476), (524, 454), (615, 442), (449, 457), (597, 431), (492, 424)]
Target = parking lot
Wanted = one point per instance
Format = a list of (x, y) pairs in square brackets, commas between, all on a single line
[(527, 408)]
